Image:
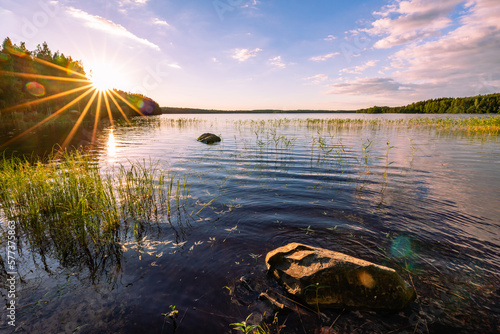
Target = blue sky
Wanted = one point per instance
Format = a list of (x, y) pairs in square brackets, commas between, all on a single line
[(282, 54)]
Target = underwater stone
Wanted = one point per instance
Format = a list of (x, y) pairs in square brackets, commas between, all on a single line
[(209, 138), (328, 279)]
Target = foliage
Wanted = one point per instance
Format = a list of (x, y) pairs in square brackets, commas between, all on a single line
[(244, 327), (480, 104), (173, 314)]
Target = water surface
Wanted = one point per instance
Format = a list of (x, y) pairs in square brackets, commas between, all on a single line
[(420, 200)]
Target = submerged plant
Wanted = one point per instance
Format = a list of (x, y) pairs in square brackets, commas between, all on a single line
[(308, 230), (316, 288), (255, 256)]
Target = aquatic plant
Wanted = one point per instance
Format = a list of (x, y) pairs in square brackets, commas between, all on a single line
[(173, 314), (262, 328), (244, 327), (59, 199), (73, 210), (316, 287)]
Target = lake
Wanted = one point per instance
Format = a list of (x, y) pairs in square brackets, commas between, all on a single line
[(422, 200)]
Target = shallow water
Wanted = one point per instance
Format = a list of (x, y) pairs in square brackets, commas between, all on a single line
[(422, 201)]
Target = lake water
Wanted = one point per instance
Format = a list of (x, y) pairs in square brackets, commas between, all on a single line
[(421, 200)]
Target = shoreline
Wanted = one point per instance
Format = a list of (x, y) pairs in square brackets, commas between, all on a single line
[(172, 110)]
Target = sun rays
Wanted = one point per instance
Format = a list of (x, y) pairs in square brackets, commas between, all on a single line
[(95, 91)]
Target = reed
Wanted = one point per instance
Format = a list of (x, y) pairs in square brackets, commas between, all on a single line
[(71, 200), (470, 125)]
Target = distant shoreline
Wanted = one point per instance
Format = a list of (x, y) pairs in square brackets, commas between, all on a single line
[(480, 104), (172, 110)]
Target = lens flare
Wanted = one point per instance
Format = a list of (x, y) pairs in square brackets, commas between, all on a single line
[(401, 247), (146, 106), (35, 89), (366, 279)]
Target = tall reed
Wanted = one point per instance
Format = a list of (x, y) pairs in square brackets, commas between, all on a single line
[(71, 208)]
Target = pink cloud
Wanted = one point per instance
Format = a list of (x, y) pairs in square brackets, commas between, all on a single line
[(245, 54), (361, 68), (324, 57), (460, 58), (408, 21)]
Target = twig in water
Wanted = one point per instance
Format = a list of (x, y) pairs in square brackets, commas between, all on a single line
[(333, 323), (230, 230)]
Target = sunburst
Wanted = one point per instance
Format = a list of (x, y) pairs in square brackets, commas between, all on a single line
[(99, 87), (105, 77)]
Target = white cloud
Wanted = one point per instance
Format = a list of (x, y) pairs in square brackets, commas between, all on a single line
[(317, 79), (361, 68), (245, 54), (324, 57), (251, 4), (107, 26), (351, 33), (159, 22), (460, 60), (131, 2), (5, 11), (7, 20), (276, 62), (174, 65), (370, 86), (330, 38), (409, 21)]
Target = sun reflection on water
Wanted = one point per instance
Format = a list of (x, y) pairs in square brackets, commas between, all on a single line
[(111, 145)]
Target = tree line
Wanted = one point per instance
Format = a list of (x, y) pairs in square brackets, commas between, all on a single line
[(480, 104), (26, 77)]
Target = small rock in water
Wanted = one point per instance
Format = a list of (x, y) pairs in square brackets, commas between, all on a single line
[(328, 279), (209, 138)]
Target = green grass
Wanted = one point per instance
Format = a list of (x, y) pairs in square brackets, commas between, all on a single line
[(71, 203), (479, 125), (485, 125)]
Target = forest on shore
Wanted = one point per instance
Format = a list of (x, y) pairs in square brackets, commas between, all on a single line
[(480, 104)]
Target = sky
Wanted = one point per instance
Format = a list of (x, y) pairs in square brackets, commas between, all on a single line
[(273, 54)]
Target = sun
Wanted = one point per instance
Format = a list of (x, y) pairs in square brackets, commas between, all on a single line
[(103, 89), (101, 81), (106, 77)]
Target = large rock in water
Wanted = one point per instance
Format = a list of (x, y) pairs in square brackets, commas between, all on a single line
[(209, 138), (328, 279)]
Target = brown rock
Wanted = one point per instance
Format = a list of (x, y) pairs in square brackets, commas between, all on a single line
[(328, 279), (209, 138)]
